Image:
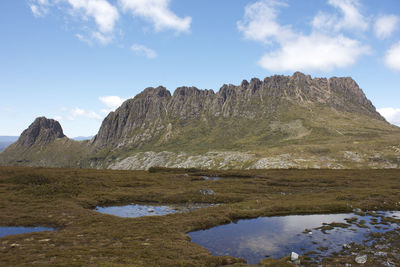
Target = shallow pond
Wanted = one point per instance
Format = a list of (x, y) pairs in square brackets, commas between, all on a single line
[(135, 210), (5, 230), (276, 237)]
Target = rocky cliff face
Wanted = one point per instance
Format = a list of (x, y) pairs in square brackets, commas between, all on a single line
[(155, 111), (41, 132), (279, 122)]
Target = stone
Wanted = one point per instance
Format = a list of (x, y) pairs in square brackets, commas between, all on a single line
[(388, 263), (206, 191), (380, 254), (346, 246), (294, 256), (361, 259)]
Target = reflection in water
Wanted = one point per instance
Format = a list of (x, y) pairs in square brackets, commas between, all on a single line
[(134, 211), (5, 230), (277, 237)]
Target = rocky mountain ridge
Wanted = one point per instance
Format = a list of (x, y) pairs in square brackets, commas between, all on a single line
[(249, 100), (279, 122)]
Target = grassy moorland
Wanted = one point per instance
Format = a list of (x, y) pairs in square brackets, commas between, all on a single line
[(64, 198)]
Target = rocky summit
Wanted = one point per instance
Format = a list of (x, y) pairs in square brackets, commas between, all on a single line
[(279, 122), (41, 132), (155, 113)]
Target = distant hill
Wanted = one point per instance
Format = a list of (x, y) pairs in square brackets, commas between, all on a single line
[(82, 138), (279, 122), (5, 141)]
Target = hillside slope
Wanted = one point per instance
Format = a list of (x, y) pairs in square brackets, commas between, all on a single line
[(280, 122)]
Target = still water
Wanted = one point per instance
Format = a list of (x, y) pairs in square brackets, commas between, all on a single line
[(5, 230), (276, 237), (135, 210)]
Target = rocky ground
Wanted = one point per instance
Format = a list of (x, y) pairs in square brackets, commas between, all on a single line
[(239, 160)]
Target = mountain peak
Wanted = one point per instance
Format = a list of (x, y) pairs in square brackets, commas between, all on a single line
[(41, 131)]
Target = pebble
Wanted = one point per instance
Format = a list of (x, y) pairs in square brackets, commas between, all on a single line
[(294, 256), (389, 263), (380, 254), (361, 259), (346, 246)]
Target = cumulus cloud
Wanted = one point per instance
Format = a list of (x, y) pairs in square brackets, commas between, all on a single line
[(260, 22), (112, 102), (104, 15), (392, 58), (158, 13), (143, 50), (385, 26), (314, 52), (349, 19), (78, 112), (392, 115), (322, 49)]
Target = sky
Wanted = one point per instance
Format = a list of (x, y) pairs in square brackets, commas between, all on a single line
[(77, 60)]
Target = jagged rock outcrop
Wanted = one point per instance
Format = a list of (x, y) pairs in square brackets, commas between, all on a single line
[(150, 113), (41, 132), (279, 122)]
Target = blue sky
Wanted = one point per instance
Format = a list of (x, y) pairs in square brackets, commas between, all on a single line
[(76, 60)]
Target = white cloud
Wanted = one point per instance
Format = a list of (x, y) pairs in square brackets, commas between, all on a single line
[(78, 112), (385, 26), (392, 115), (104, 14), (320, 50), (314, 52), (39, 8), (143, 50), (102, 38), (392, 58), (38, 11), (58, 118), (259, 22), (352, 18), (158, 13), (112, 102)]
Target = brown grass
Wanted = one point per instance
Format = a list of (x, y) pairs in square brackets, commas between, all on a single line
[(64, 198)]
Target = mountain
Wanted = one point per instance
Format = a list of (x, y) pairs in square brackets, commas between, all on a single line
[(5, 141), (278, 122), (43, 144)]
